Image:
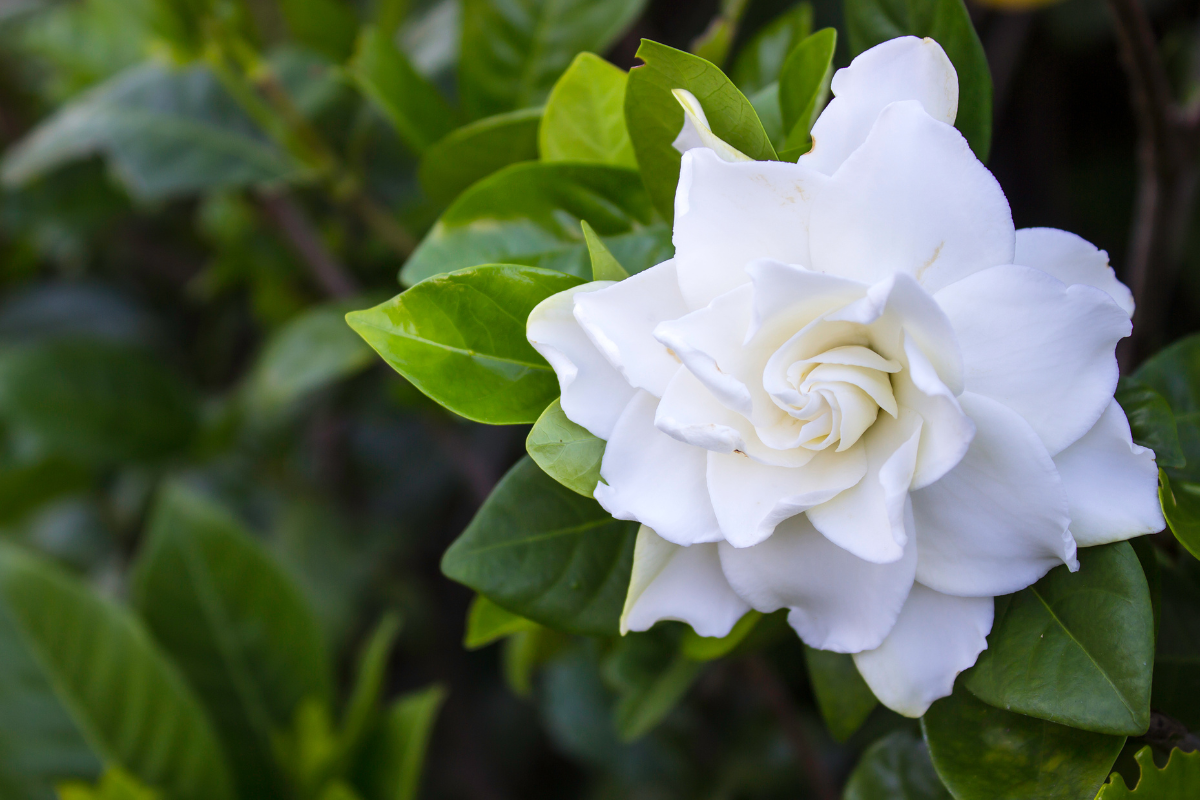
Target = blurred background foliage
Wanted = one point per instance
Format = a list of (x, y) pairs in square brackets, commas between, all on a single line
[(221, 517)]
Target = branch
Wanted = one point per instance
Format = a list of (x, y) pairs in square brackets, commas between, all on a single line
[(307, 244)]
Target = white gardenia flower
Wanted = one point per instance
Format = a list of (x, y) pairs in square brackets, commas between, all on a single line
[(855, 391)]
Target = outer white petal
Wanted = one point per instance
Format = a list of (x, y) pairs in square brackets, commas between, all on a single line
[(838, 601), (729, 214), (1044, 349), (620, 320), (593, 393), (654, 479), (936, 637), (697, 133), (1111, 483), (868, 520), (680, 583), (998, 521), (906, 68), (709, 343), (947, 431), (751, 498), (912, 199), (1072, 260)]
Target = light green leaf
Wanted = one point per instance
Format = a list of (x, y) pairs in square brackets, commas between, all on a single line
[(760, 61), (393, 759), (585, 116), (1025, 757), (116, 784), (234, 623), (804, 86), (114, 684), (897, 767), (460, 339), (655, 118), (565, 451), (362, 710), (474, 151), (1181, 507), (605, 266), (1151, 421), (843, 696), (710, 648), (325, 25), (766, 105), (488, 622), (1177, 657), (544, 552), (514, 50), (1178, 780)]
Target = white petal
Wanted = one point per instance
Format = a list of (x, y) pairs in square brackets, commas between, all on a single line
[(750, 498), (787, 293), (593, 393), (998, 521), (656, 480), (868, 520), (679, 583), (838, 601), (729, 214), (936, 637), (1044, 349), (697, 133), (620, 319), (947, 431), (912, 199), (906, 68), (709, 343), (1111, 483), (1072, 260)]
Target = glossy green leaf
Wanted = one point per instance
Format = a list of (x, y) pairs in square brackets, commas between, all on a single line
[(488, 622), (1075, 648), (474, 151), (760, 61), (605, 266), (804, 86), (897, 767), (460, 339), (115, 784), (530, 213), (565, 451), (710, 648), (1181, 507), (1177, 654), (1178, 780), (1151, 421), (328, 26), (119, 691), (362, 709), (514, 50), (544, 552), (843, 696), (1025, 757), (394, 758), (655, 118), (584, 119), (234, 623), (1174, 372), (406, 98), (167, 132), (869, 22)]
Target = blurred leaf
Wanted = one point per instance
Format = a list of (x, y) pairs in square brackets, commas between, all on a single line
[(897, 767), (180, 22), (116, 784), (460, 339), (337, 790), (584, 119), (390, 14), (869, 22), (329, 26), (651, 676), (410, 103), (710, 648), (1075, 648), (546, 553), (1181, 507), (760, 61), (1174, 372), (362, 710), (74, 310), (804, 85), (529, 214), (488, 622), (1026, 757), (168, 132), (1177, 657), (26, 486), (655, 117), (94, 402), (713, 45), (234, 623), (766, 105), (474, 151), (395, 756), (565, 451), (1178, 780), (525, 651), (308, 750), (118, 689), (1151, 421), (514, 50), (843, 696)]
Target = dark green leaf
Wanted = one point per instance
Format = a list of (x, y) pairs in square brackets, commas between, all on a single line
[(1177, 656), (325, 25), (655, 117), (710, 648), (460, 339), (804, 85), (1076, 648), (1178, 780), (1151, 421), (985, 753), (488, 622), (605, 266), (474, 151), (1181, 507), (651, 676), (566, 451), (843, 696), (1174, 372), (115, 784), (26, 486), (585, 116), (525, 651), (394, 757), (897, 767), (542, 551), (362, 710), (760, 61)]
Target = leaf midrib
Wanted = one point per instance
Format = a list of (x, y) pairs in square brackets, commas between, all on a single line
[(458, 350), (541, 537)]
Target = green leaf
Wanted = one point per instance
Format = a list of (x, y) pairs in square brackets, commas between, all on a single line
[(766, 105), (394, 757), (529, 214), (406, 98), (488, 622), (605, 266), (1076, 648), (804, 85), (122, 695), (655, 117), (362, 709), (565, 451), (542, 551), (1151, 421), (328, 26), (234, 623), (116, 784), (869, 22), (1178, 780), (1177, 657), (760, 61), (1181, 507), (337, 790), (710, 648), (460, 339), (897, 767), (474, 151), (1174, 372), (651, 676), (25, 487), (514, 50), (168, 133), (584, 119), (843, 696), (985, 753), (525, 651), (94, 402)]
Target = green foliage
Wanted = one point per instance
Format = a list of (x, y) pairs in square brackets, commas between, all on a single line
[(605, 266), (710, 648), (328, 26), (1151, 421), (1177, 658), (651, 676), (803, 89), (525, 651), (584, 119), (843, 696), (760, 61), (565, 451), (116, 784), (476, 150), (392, 761), (1178, 780), (1181, 507), (897, 767), (1174, 372), (362, 709), (488, 622)]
